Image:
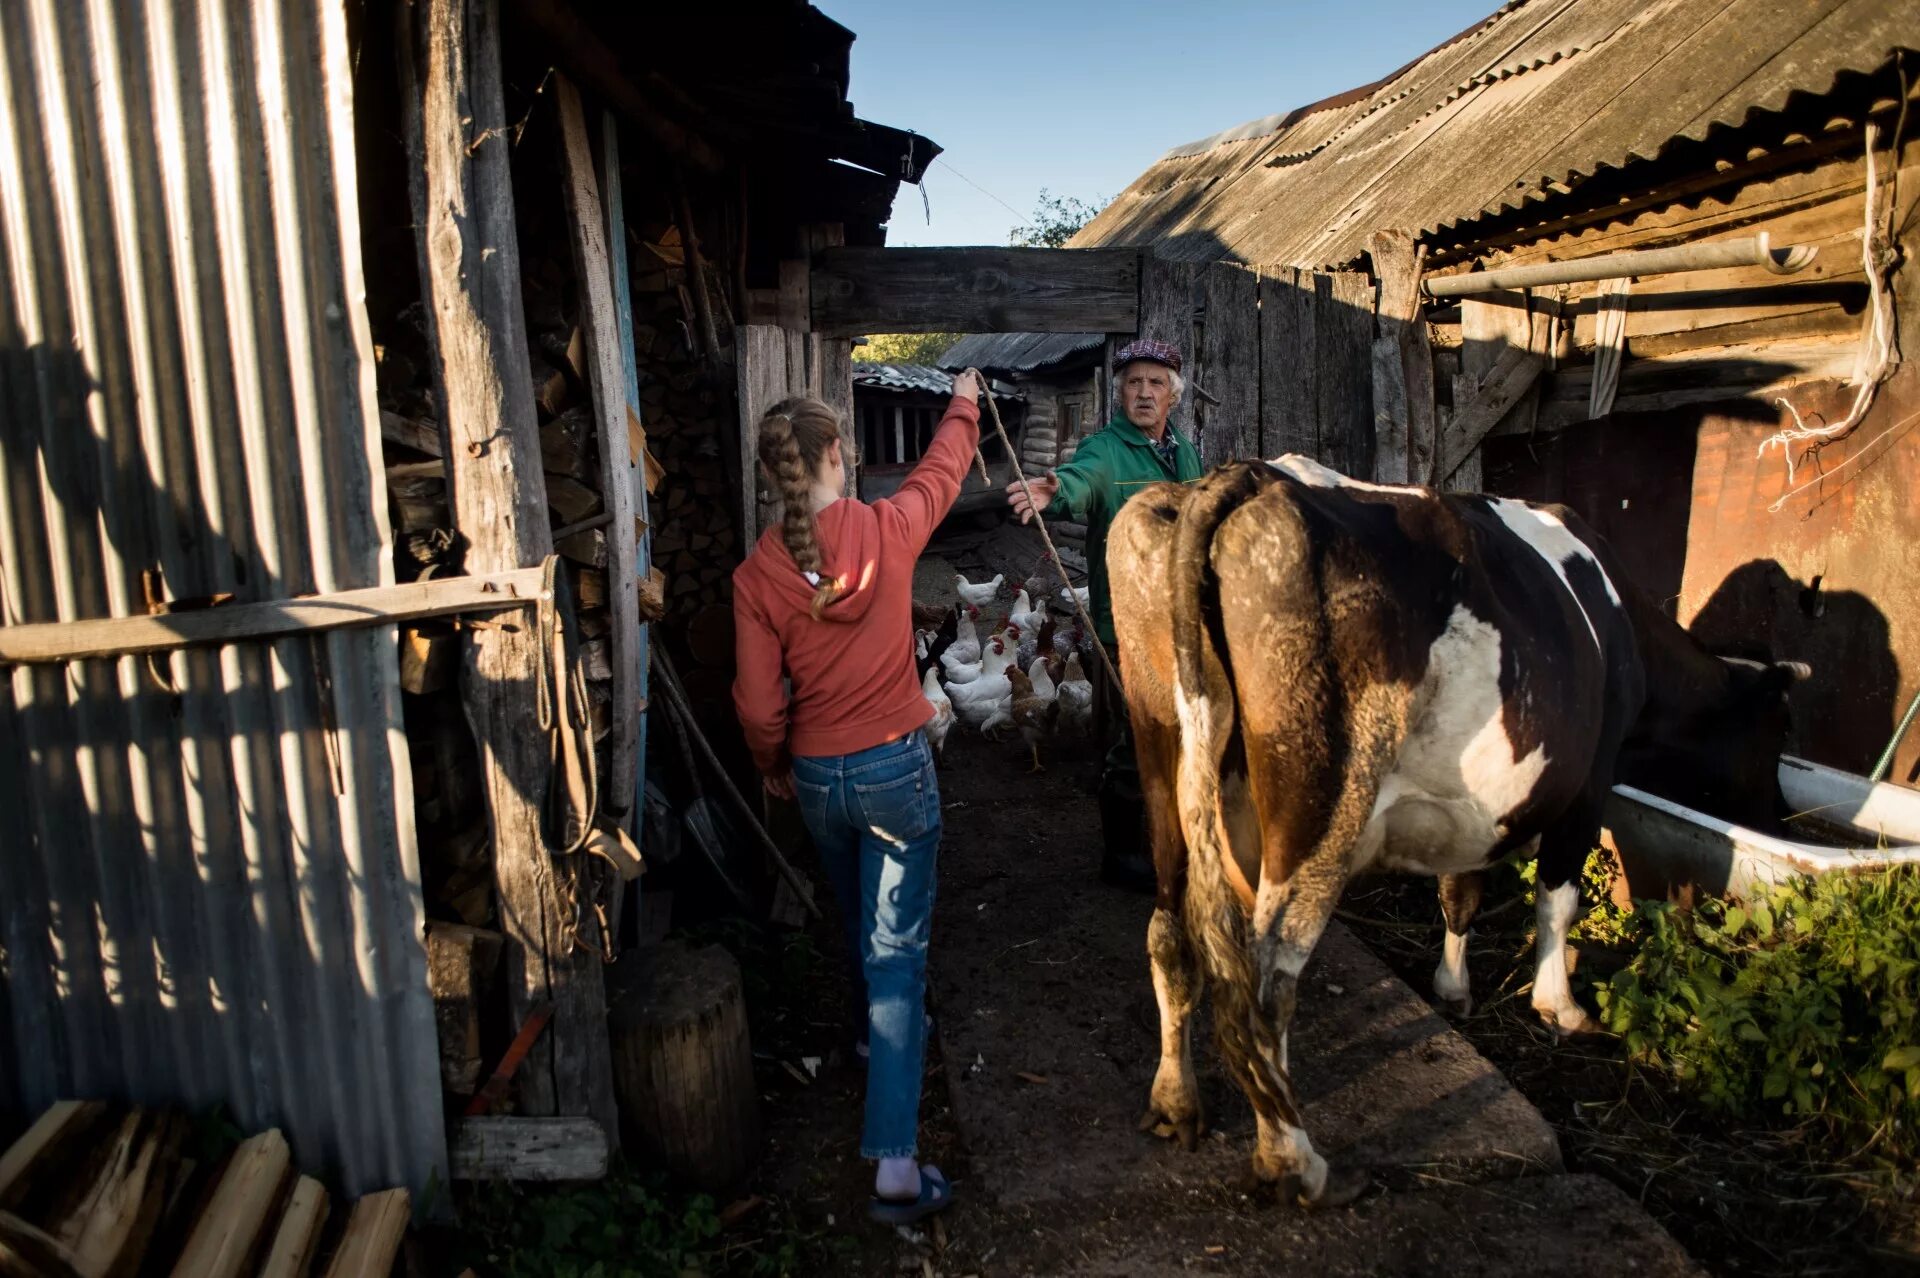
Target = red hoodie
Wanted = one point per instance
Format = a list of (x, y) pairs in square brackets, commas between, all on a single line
[(853, 683)]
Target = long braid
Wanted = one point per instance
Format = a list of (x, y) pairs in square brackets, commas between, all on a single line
[(791, 430)]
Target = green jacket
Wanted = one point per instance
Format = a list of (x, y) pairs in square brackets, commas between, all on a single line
[(1112, 465)]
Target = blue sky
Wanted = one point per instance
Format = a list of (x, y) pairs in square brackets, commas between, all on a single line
[(1080, 97)]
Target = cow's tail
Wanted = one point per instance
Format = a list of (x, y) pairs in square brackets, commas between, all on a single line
[(1203, 688)]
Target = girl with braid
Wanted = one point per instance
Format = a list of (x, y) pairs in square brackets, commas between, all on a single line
[(830, 702)]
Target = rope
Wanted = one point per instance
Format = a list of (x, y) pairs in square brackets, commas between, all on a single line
[(1040, 522), (1875, 360)]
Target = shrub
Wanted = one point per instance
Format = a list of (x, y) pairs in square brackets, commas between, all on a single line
[(1802, 1003)]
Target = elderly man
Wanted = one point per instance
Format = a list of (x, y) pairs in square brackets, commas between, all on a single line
[(1136, 448)]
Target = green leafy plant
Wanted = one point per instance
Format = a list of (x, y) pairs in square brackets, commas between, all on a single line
[(905, 348), (1800, 1004), (1056, 218)]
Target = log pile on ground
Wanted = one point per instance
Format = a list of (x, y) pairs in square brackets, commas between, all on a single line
[(94, 1189)]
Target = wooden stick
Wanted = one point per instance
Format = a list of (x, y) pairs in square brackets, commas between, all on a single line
[(588, 524), (680, 726), (57, 641), (678, 698), (1040, 522), (696, 270)]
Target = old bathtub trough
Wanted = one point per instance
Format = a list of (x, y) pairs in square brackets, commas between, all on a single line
[(1844, 821)]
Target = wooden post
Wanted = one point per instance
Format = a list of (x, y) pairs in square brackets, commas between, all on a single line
[(1230, 363), (1490, 324), (830, 367), (1166, 314), (685, 1064), (1289, 382), (760, 381), (593, 274), (458, 142), (1402, 365)]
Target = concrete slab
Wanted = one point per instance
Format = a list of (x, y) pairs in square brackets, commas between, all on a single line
[(1048, 1027)]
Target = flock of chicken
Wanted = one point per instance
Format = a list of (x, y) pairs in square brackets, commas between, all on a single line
[(1026, 675)]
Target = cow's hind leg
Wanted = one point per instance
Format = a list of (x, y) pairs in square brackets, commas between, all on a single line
[(1173, 1106), (1563, 851), (1459, 902)]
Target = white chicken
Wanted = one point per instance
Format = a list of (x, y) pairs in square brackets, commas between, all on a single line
[(1080, 593), (1042, 680), (942, 721), (965, 648), (975, 703), (1076, 699), (1026, 616), (980, 595)]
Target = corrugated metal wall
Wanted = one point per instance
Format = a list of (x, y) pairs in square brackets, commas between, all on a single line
[(209, 887)]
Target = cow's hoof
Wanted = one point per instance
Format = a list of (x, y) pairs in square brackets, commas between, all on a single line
[(1344, 1184), (1187, 1131), (1568, 1022)]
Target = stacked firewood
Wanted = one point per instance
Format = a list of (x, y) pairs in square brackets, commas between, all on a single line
[(98, 1189)]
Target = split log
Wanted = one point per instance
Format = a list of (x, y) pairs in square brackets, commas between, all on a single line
[(549, 386), (570, 500), (683, 1065), (23, 1165), (653, 596), (588, 547), (411, 432), (107, 1221), (544, 1149), (566, 444), (27, 1252), (426, 660), (225, 1237), (590, 588), (461, 965), (373, 1236), (291, 1253)]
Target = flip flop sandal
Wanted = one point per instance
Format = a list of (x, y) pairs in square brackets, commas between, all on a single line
[(935, 1195)]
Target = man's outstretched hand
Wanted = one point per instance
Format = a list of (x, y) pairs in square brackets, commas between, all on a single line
[(1026, 504)]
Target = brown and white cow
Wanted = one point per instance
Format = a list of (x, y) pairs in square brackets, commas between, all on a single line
[(1327, 677)]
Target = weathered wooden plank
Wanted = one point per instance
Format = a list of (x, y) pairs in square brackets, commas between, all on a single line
[(593, 275), (760, 381), (1405, 397), (298, 1235), (1479, 405), (459, 144), (223, 1238), (55, 641), (1166, 314), (981, 290), (423, 437), (1289, 371), (374, 1232), (528, 1149), (1692, 377), (1230, 363), (1343, 347)]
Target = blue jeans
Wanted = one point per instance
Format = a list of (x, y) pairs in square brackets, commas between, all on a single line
[(875, 817)]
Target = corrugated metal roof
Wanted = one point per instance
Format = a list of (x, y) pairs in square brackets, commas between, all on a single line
[(1542, 95), (920, 378), (209, 885), (1018, 352)]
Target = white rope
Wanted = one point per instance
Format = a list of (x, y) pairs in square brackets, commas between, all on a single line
[(1874, 362)]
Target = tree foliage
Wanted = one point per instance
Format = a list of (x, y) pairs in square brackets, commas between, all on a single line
[(1055, 219), (905, 348)]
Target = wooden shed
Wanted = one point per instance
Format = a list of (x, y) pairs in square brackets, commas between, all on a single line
[(1737, 418)]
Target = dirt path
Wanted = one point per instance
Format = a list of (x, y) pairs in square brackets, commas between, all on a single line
[(1046, 1044)]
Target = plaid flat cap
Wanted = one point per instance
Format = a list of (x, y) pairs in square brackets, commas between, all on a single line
[(1147, 348)]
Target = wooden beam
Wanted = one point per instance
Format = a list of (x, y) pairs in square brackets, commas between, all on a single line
[(528, 1149), (1405, 423), (1491, 324), (1479, 405), (1166, 314), (1289, 381), (459, 144), (1230, 363), (44, 643), (593, 275), (982, 290)]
